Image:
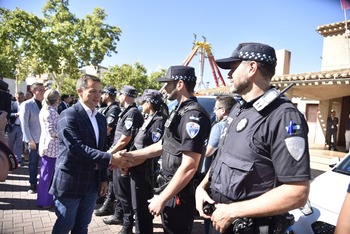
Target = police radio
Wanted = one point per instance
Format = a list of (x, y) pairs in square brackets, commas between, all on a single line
[(269, 96)]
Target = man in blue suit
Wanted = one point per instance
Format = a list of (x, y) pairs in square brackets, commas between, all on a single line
[(81, 165), (30, 125)]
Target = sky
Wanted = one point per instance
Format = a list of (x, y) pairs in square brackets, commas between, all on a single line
[(160, 33)]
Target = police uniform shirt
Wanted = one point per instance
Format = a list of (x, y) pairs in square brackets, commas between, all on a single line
[(193, 129), (260, 150), (111, 113), (129, 120)]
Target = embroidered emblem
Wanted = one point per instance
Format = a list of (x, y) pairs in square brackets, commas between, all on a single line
[(128, 124), (241, 124), (295, 146), (292, 128), (192, 129), (194, 118), (110, 119), (156, 136)]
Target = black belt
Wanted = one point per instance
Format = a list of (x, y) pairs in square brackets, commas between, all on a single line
[(16, 125)]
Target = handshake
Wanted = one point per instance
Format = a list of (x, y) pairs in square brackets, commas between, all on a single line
[(121, 159)]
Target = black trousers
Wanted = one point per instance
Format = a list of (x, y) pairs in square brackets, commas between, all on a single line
[(141, 191), (121, 183), (178, 218)]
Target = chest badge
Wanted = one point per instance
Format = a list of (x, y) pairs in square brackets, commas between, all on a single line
[(241, 124), (192, 129)]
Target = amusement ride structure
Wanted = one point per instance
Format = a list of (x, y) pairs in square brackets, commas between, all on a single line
[(204, 50)]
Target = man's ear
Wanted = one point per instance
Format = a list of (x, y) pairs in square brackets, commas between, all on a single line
[(180, 84), (79, 91)]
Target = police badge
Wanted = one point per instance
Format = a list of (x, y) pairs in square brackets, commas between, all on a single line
[(156, 136), (128, 123), (192, 129), (241, 124)]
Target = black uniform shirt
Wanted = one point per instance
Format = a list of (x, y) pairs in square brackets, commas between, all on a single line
[(130, 120), (193, 129), (111, 113), (259, 151)]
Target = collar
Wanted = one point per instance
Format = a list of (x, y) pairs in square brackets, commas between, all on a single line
[(186, 102), (91, 113)]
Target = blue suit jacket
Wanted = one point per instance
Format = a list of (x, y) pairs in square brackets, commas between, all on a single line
[(79, 155)]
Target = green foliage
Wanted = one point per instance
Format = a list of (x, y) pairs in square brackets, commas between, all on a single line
[(152, 83), (135, 75), (58, 44), (126, 74)]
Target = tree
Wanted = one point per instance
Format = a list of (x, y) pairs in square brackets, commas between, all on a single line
[(20, 34), (135, 75), (126, 74), (58, 44), (152, 83)]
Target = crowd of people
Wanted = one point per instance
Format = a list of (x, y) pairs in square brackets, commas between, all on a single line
[(105, 148)]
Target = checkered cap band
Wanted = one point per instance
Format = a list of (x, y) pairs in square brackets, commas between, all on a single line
[(259, 57)]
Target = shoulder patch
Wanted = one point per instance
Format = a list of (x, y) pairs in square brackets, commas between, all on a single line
[(295, 146), (128, 123), (110, 119), (156, 136), (192, 129)]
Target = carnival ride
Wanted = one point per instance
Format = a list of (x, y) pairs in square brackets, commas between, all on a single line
[(204, 50)]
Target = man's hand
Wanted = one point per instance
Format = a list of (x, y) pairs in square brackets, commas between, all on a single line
[(121, 160), (156, 205), (222, 217), (202, 197), (103, 188), (32, 145)]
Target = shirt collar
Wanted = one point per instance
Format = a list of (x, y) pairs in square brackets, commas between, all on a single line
[(91, 113)]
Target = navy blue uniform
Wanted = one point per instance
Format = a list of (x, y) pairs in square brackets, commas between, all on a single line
[(111, 113), (130, 120), (259, 151), (188, 131), (142, 176)]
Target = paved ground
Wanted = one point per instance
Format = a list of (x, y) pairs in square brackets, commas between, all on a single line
[(19, 213)]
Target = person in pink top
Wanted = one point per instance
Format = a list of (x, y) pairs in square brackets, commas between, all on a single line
[(48, 146)]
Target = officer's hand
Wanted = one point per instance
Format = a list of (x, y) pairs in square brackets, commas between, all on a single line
[(124, 153), (122, 161), (222, 218), (103, 188), (202, 197), (156, 205)]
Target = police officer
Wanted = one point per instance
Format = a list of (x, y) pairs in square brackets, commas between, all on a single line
[(262, 169), (111, 110), (332, 131), (183, 144), (129, 122), (142, 175)]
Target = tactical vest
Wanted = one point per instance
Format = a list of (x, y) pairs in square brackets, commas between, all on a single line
[(143, 139), (172, 156), (243, 170)]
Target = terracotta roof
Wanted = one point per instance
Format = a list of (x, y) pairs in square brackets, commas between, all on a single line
[(313, 76), (332, 29), (319, 78)]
